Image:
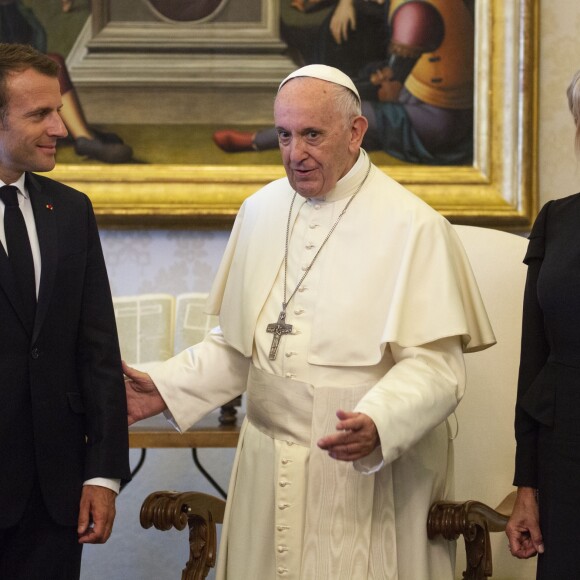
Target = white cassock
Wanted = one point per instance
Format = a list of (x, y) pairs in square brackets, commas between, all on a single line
[(380, 324)]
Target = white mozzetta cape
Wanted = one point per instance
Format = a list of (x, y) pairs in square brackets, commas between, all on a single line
[(403, 259)]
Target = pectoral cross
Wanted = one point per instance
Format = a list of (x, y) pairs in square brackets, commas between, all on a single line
[(278, 329)]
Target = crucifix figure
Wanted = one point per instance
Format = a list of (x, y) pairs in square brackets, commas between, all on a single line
[(278, 329)]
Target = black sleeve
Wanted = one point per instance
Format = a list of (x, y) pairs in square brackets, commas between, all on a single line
[(534, 353), (99, 363)]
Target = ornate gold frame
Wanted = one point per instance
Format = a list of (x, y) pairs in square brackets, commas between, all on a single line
[(499, 190)]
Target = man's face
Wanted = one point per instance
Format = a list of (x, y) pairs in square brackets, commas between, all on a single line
[(31, 126), (318, 144)]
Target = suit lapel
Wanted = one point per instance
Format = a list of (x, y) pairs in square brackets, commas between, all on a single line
[(42, 206)]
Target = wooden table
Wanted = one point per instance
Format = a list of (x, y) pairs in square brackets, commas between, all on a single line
[(157, 432)]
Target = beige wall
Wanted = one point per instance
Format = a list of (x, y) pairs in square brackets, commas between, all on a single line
[(559, 171)]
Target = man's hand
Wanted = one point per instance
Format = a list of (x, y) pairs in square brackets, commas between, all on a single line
[(389, 89), (143, 398), (357, 437), (523, 528), (97, 513)]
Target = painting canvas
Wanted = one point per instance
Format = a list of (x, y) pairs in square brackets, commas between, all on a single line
[(180, 94)]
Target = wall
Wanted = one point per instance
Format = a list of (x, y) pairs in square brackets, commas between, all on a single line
[(168, 261), (162, 261), (559, 171)]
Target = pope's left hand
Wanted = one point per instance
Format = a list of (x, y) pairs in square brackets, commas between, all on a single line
[(356, 438)]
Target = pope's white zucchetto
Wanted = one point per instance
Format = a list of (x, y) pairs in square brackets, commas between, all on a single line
[(324, 73)]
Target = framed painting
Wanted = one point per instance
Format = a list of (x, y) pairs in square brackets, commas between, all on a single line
[(175, 71)]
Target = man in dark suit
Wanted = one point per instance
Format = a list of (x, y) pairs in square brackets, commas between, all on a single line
[(63, 429)]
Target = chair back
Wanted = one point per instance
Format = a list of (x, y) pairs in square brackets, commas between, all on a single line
[(485, 444)]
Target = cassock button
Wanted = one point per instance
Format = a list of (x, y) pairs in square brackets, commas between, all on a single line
[(35, 353)]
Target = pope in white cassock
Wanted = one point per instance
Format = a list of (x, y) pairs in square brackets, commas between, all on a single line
[(346, 304)]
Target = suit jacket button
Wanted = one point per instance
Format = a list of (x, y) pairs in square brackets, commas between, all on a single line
[(35, 352)]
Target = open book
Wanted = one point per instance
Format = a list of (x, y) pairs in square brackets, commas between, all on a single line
[(154, 327)]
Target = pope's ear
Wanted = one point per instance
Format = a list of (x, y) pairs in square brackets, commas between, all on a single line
[(358, 129)]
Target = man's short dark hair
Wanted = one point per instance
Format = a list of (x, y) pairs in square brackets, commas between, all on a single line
[(18, 58)]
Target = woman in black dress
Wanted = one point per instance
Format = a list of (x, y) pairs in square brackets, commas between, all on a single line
[(546, 516)]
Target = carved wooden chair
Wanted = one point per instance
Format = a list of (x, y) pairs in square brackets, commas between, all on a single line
[(484, 445), (200, 512)]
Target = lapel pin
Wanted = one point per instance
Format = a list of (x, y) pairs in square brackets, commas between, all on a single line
[(49, 206)]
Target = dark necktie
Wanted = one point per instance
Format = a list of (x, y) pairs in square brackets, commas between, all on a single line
[(19, 250)]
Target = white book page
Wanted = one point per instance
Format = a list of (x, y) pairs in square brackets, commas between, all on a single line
[(191, 322), (145, 324)]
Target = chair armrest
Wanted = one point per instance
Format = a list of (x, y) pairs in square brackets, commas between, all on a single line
[(473, 520), (201, 512)]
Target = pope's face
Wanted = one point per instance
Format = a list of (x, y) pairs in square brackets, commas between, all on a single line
[(319, 145), (31, 125)]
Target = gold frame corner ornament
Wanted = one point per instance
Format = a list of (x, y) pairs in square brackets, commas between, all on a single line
[(498, 190)]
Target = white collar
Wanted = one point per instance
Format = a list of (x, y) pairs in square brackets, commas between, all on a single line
[(20, 184)]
